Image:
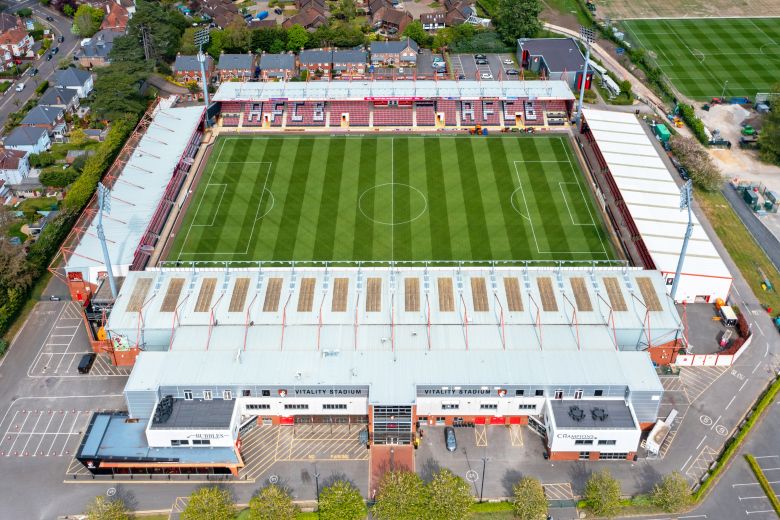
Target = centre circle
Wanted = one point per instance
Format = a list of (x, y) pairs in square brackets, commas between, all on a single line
[(392, 203)]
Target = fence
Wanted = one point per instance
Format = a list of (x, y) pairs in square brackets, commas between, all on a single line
[(712, 360), (530, 264)]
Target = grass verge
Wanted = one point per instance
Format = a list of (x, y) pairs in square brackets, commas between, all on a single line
[(744, 250), (770, 493), (35, 297)]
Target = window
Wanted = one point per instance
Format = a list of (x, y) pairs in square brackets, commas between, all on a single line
[(188, 395), (527, 407), (607, 443), (334, 407), (559, 394), (266, 393), (583, 442), (598, 393), (227, 395), (258, 407), (613, 456), (207, 395), (450, 406), (519, 392), (201, 442), (177, 442), (584, 455), (578, 394), (246, 393), (539, 393), (489, 406), (296, 407)]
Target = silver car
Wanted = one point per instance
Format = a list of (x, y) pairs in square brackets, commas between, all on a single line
[(449, 438)]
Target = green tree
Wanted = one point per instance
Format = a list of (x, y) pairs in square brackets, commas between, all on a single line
[(117, 90), (272, 503), (416, 32), (602, 494), (209, 503), (102, 508), (87, 20), (341, 501), (672, 493), (401, 496), (297, 37), (769, 138), (277, 47), (345, 10), (24, 12), (68, 10), (77, 137), (703, 171), (238, 37), (187, 44), (625, 87), (517, 19), (528, 500), (449, 496)]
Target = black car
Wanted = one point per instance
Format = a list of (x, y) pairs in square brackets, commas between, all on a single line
[(461, 76), (33, 71), (278, 10), (48, 57), (449, 438), (55, 50), (511, 72), (480, 57), (87, 360), (49, 19), (481, 61), (61, 39)]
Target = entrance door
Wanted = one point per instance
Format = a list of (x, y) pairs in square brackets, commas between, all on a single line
[(392, 425)]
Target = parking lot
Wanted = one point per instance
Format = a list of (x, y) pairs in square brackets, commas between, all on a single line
[(465, 67)]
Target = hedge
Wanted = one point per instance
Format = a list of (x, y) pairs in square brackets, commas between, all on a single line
[(57, 177), (694, 123), (770, 493), (40, 89)]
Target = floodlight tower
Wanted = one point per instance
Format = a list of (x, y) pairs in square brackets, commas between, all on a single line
[(587, 36), (685, 203), (104, 205), (201, 39)]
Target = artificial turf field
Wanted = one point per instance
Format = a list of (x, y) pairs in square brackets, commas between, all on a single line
[(700, 55), (390, 198)]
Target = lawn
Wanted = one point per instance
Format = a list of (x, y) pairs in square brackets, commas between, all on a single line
[(410, 198), (702, 56)]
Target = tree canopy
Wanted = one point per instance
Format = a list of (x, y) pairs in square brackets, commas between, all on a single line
[(87, 20), (672, 493), (517, 19), (703, 171), (210, 503), (117, 89), (102, 508), (272, 503), (449, 496), (769, 138), (297, 37), (401, 496), (416, 32), (602, 494), (528, 500), (341, 501)]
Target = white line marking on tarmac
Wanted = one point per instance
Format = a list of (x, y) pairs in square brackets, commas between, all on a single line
[(732, 400), (756, 368), (754, 483), (767, 457), (686, 462), (762, 511), (716, 422), (701, 442), (743, 385)]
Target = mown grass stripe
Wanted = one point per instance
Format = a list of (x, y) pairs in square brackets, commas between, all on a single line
[(402, 239), (472, 199), (503, 152), (363, 241), (291, 213), (324, 238), (438, 215)]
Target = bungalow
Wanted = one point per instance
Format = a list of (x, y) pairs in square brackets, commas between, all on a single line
[(314, 60), (94, 52), (433, 21), (60, 97), (236, 67), (403, 53), (277, 66), (310, 19), (28, 138), (349, 62), (186, 69), (79, 80), (14, 165), (391, 20)]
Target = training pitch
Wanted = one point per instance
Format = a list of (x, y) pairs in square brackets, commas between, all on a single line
[(391, 198), (702, 56)]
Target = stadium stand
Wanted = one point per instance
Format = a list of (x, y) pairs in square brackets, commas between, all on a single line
[(276, 114), (490, 113), (231, 113), (253, 114), (450, 110), (426, 115), (511, 110), (359, 113), (533, 117), (392, 115), (302, 113)]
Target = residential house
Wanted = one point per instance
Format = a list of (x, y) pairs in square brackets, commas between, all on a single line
[(94, 51), (50, 118), (15, 41), (28, 138), (14, 165), (376, 5), (268, 23), (64, 98), (553, 58), (305, 5), (79, 80), (236, 67), (316, 60), (45, 217), (277, 66), (433, 21), (402, 53), (459, 11), (186, 69), (391, 20), (309, 19), (116, 17), (349, 62), (221, 12)]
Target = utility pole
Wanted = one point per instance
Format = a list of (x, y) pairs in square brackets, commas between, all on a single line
[(482, 485), (685, 203), (202, 38), (587, 36), (104, 205)]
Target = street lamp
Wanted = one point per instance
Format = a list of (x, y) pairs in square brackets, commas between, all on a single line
[(482, 485), (587, 36), (201, 39), (317, 487), (685, 203)]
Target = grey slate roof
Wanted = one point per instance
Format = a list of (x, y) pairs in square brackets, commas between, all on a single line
[(349, 56), (236, 61), (315, 56), (57, 96), (24, 135), (277, 61), (189, 63), (393, 47), (71, 77), (100, 44), (560, 54), (42, 115)]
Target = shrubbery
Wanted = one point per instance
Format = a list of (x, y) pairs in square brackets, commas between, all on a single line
[(694, 123), (697, 161)]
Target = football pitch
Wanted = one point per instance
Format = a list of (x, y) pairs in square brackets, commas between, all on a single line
[(701, 57), (404, 198)]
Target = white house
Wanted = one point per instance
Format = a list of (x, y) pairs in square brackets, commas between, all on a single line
[(14, 165), (77, 79), (31, 139)]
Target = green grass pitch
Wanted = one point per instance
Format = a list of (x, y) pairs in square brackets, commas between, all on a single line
[(399, 198), (700, 55)]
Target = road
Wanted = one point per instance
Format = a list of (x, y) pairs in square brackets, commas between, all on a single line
[(12, 100), (765, 238)]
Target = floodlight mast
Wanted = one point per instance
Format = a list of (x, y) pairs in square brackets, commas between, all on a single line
[(104, 204), (202, 38), (587, 36), (685, 203)]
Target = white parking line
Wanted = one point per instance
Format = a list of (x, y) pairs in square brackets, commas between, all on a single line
[(767, 457), (51, 418), (686, 463), (762, 511), (51, 448), (732, 400), (754, 483), (32, 432), (701, 442)]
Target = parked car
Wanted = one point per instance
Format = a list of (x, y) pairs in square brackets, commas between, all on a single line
[(48, 57), (61, 39), (33, 72), (481, 61), (278, 10), (19, 87), (87, 360), (511, 72), (449, 438), (49, 19), (486, 75), (55, 50), (508, 62), (480, 57), (461, 76), (54, 298)]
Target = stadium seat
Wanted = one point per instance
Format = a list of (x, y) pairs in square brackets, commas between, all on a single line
[(393, 115), (425, 113), (253, 114), (231, 113), (358, 112)]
